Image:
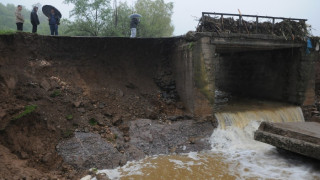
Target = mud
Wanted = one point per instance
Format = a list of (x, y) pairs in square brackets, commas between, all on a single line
[(89, 89), (145, 138)]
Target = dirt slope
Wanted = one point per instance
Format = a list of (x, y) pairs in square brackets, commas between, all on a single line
[(76, 84)]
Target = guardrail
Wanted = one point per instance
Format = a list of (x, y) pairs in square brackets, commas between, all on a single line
[(253, 16)]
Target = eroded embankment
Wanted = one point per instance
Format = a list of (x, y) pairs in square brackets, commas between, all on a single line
[(63, 85)]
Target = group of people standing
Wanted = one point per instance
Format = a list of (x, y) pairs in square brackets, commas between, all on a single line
[(54, 20)]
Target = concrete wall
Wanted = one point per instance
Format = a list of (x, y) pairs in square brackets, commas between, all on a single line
[(194, 73), (274, 74)]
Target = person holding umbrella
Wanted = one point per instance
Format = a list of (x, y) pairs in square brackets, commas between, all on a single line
[(19, 18), (54, 21), (34, 19), (134, 23), (54, 17)]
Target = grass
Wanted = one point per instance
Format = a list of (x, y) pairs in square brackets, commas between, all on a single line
[(6, 32), (55, 93), (69, 117), (191, 45), (93, 122), (95, 170), (27, 110), (67, 133)]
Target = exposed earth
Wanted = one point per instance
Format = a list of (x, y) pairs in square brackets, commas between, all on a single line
[(61, 95)]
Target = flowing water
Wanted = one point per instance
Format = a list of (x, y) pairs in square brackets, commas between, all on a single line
[(234, 153)]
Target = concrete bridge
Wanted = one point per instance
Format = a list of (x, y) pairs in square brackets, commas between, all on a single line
[(256, 66)]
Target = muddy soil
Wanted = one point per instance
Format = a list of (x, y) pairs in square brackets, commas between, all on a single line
[(79, 87)]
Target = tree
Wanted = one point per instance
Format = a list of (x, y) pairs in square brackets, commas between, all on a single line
[(156, 18), (121, 21), (92, 17)]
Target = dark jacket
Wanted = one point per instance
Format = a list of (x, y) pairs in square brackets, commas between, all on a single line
[(134, 23), (53, 20), (34, 18)]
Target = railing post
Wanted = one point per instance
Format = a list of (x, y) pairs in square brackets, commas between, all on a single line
[(257, 22), (240, 20), (272, 25), (222, 26), (202, 22)]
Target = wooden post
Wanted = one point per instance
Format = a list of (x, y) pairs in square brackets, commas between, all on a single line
[(257, 22), (272, 25), (222, 26)]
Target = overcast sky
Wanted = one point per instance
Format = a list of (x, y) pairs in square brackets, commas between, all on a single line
[(186, 11)]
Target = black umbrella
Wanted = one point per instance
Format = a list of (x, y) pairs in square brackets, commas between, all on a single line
[(46, 9)]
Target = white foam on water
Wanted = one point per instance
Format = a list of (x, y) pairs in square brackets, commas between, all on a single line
[(253, 159), (233, 144), (131, 168)]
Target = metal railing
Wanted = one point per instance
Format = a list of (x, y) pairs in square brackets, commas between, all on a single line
[(252, 16)]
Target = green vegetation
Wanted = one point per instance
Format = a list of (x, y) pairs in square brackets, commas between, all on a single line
[(98, 18), (69, 117), (190, 45), (156, 18), (7, 32), (94, 170), (27, 110), (55, 93), (93, 122), (67, 133)]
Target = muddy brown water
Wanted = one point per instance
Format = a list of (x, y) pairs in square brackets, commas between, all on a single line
[(234, 153)]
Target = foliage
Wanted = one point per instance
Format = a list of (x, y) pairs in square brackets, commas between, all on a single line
[(55, 93), (97, 18), (69, 117), (120, 22), (27, 110), (93, 122), (156, 18), (67, 133), (7, 31), (91, 16)]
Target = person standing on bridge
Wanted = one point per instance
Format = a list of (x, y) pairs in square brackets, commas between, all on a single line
[(34, 19), (135, 19), (19, 18), (54, 21)]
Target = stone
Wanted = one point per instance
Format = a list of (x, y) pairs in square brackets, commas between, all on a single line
[(121, 93), (87, 150), (117, 120), (77, 104), (154, 138), (101, 105), (82, 110), (2, 113), (87, 177), (45, 85), (299, 137), (102, 176)]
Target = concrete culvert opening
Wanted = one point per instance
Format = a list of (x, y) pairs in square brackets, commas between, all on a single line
[(265, 75), (261, 69)]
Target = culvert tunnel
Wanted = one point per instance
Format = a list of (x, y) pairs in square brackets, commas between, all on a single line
[(259, 67)]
